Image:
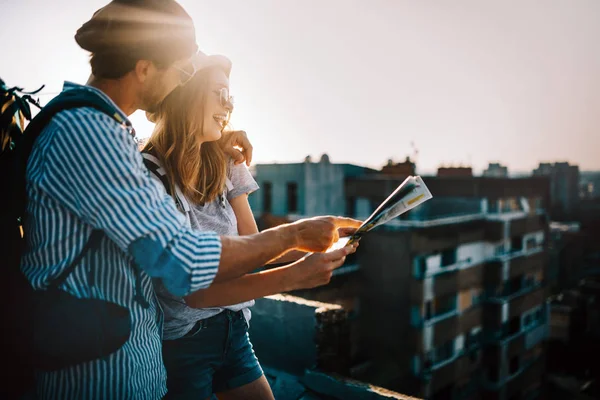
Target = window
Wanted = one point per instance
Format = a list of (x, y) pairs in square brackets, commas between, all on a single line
[(351, 207), (493, 374), (512, 286), (528, 281), (448, 257), (514, 326), (493, 206), (420, 267), (292, 197), (445, 351), (527, 320), (267, 188), (428, 310), (476, 296), (472, 338), (538, 315), (516, 243), (513, 368)]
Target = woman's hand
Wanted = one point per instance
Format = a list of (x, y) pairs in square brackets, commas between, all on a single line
[(316, 269), (236, 145)]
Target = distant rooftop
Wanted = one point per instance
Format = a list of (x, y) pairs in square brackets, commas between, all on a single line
[(565, 226)]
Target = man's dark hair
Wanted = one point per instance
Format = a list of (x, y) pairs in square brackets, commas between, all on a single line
[(126, 31)]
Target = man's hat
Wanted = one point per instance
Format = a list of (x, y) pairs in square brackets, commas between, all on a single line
[(144, 28)]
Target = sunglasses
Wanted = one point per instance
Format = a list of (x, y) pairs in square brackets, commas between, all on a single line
[(226, 101)]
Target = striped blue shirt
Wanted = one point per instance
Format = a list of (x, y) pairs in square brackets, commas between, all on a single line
[(85, 173)]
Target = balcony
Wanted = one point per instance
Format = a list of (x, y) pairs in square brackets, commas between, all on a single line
[(509, 295), (531, 261), (494, 231), (444, 236), (520, 262), (452, 327), (437, 317), (458, 279), (517, 342), (458, 368), (532, 223), (526, 300), (529, 372)]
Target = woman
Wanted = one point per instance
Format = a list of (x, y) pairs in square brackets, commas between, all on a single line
[(206, 348)]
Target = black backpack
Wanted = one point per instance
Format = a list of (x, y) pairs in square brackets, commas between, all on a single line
[(16, 145)]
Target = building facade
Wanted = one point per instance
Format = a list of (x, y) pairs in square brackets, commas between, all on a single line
[(303, 189), (564, 188), (448, 301), (496, 170)]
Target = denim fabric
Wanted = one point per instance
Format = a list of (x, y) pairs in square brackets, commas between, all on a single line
[(215, 356)]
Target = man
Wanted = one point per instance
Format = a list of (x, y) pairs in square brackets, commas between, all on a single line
[(86, 173)]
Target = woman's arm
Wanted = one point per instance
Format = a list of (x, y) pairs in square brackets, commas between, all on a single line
[(312, 271), (243, 213)]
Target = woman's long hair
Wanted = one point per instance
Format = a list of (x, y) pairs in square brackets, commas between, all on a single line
[(200, 171)]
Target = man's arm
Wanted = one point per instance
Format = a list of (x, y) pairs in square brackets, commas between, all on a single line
[(312, 271), (244, 254), (93, 166)]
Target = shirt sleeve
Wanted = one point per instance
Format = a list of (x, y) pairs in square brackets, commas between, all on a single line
[(241, 179), (94, 162)]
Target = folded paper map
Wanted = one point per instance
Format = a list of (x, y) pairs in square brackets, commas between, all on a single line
[(407, 196)]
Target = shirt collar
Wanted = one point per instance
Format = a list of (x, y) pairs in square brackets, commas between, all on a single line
[(72, 85), (68, 85)]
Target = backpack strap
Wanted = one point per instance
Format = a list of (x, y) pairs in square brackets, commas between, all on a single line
[(68, 99), (92, 243), (153, 164)]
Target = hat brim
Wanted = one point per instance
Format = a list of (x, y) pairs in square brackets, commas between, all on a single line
[(202, 61)]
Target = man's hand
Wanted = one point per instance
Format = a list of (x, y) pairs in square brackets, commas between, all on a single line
[(316, 269), (237, 146), (319, 233)]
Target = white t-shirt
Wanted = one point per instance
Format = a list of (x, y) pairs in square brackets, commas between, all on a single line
[(216, 216)]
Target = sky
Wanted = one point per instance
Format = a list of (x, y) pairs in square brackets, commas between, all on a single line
[(462, 82)]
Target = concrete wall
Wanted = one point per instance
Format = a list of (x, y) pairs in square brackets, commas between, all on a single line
[(321, 187), (279, 175), (293, 334), (324, 194)]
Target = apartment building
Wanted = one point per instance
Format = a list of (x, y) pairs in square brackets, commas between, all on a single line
[(449, 301), (457, 289)]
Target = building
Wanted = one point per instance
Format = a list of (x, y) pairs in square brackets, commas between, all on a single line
[(574, 342), (454, 172), (566, 250), (590, 185), (449, 300), (564, 188), (496, 170), (306, 189), (400, 170)]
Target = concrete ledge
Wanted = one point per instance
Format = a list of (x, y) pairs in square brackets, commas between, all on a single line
[(347, 389)]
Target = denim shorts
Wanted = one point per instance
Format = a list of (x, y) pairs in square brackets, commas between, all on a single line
[(215, 356)]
